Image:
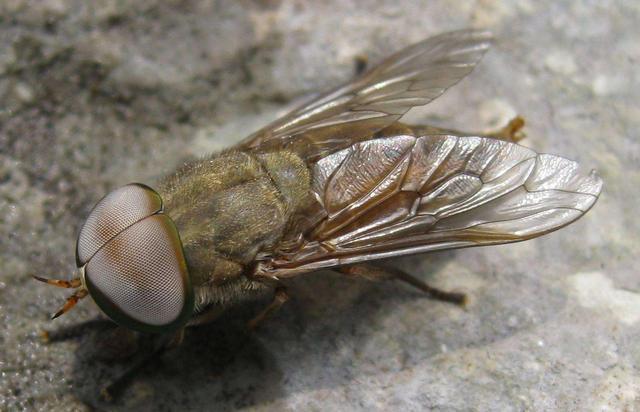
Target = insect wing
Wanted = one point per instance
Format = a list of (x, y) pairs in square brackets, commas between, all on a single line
[(412, 77), (404, 194)]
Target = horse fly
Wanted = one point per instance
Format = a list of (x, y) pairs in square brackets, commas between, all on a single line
[(335, 184)]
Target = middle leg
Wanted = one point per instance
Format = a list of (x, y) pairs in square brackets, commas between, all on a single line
[(280, 296)]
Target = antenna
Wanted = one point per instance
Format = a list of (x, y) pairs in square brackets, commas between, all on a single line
[(69, 284), (73, 283)]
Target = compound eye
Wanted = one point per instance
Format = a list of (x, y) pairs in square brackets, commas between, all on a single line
[(139, 277), (112, 214)]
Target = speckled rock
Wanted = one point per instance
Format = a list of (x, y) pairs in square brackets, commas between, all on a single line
[(94, 95)]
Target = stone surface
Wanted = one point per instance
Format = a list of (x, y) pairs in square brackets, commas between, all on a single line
[(95, 96)]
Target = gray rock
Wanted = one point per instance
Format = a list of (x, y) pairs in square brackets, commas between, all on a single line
[(95, 95)]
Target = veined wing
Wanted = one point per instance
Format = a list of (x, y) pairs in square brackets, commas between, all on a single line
[(355, 111), (403, 194)]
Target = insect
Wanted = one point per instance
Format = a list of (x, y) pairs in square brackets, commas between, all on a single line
[(334, 184)]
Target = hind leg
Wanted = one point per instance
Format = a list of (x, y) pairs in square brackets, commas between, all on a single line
[(511, 132), (378, 273)]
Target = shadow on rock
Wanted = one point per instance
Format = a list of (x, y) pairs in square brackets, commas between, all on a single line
[(223, 365), (220, 363)]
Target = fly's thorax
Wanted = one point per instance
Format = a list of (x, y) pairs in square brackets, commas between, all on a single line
[(232, 206), (291, 175), (231, 292), (206, 266)]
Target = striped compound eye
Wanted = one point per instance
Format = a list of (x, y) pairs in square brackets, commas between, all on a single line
[(131, 262)]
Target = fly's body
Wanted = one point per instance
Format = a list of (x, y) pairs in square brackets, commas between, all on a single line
[(335, 184), (230, 208)]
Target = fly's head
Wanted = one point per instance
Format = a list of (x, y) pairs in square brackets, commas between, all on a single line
[(131, 261)]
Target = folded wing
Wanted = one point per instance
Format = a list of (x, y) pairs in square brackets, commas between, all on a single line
[(404, 194)]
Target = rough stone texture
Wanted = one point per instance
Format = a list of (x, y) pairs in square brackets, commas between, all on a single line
[(93, 97)]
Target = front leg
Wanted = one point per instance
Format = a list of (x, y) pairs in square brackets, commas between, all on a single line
[(77, 330), (161, 344), (208, 315), (280, 296)]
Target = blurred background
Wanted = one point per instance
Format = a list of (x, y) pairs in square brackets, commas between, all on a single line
[(94, 95)]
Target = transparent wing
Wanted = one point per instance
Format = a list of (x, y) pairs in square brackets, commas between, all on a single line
[(403, 195), (412, 77)]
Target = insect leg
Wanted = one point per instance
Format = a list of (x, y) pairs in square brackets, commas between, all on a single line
[(361, 62), (74, 331), (372, 272), (208, 315), (511, 132), (115, 388), (162, 344), (279, 298)]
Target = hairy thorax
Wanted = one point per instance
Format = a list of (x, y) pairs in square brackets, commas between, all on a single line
[(229, 208)]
